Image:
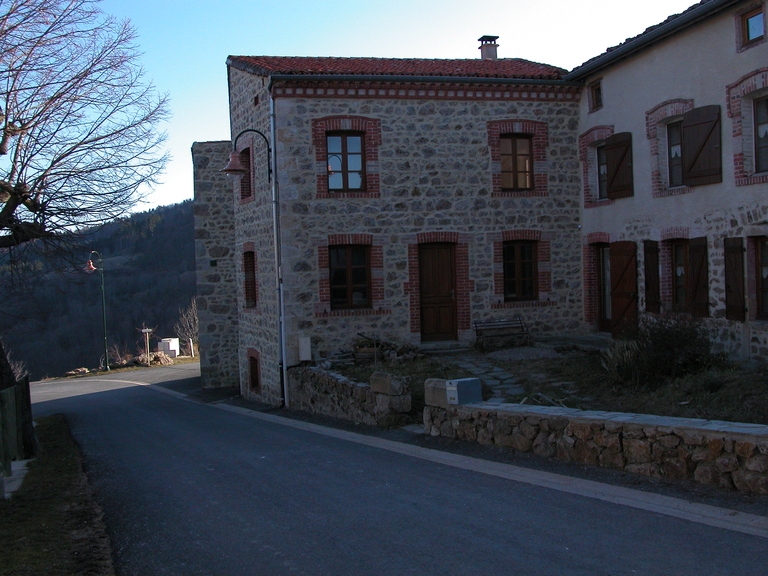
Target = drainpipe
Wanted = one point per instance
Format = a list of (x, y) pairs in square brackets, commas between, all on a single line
[(278, 253)]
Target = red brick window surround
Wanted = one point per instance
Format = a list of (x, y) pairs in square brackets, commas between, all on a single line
[(538, 132), (741, 97), (750, 26), (250, 277), (246, 182), (254, 371), (589, 142), (370, 131), (464, 286), (590, 274), (330, 277), (537, 295), (657, 121)]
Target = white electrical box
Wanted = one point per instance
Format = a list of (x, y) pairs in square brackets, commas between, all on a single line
[(170, 346), (464, 391), (305, 349)]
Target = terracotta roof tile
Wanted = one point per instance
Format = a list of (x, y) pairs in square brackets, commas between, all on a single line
[(502, 68)]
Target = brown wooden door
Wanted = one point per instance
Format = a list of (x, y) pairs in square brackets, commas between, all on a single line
[(437, 284), (623, 286)]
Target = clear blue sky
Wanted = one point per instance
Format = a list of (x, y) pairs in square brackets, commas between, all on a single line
[(185, 44)]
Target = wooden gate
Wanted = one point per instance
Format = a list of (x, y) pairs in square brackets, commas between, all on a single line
[(437, 286), (623, 286)]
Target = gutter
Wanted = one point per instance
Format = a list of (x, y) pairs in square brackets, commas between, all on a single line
[(683, 21), (416, 79), (278, 255)]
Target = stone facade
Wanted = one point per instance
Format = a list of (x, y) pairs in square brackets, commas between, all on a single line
[(435, 169), (725, 454), (215, 262)]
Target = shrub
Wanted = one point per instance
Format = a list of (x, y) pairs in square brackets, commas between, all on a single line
[(665, 348)]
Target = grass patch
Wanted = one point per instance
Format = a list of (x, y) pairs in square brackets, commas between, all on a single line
[(579, 381), (415, 372), (52, 525)]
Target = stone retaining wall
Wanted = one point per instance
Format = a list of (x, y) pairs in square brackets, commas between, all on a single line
[(383, 402), (731, 455)]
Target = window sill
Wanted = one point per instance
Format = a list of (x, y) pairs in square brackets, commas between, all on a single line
[(518, 193), (247, 200), (251, 309), (752, 44), (756, 178), (341, 194), (673, 191), (353, 312), (597, 203), (523, 304), (596, 108)]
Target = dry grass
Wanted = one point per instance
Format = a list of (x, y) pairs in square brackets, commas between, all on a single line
[(52, 526), (579, 381)]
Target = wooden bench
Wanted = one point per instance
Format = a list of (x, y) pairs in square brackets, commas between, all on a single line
[(500, 329)]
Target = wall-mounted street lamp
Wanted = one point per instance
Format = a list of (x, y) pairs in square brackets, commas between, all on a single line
[(235, 167), (90, 269)]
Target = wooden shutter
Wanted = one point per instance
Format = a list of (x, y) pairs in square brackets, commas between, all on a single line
[(623, 286), (698, 281), (618, 159), (735, 308), (702, 158), (652, 282)]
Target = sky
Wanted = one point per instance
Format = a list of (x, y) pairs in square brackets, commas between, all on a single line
[(185, 45)]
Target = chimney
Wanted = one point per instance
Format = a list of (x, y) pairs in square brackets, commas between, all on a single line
[(488, 47)]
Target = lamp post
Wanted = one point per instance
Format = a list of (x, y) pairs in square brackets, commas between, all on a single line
[(235, 168), (90, 269)]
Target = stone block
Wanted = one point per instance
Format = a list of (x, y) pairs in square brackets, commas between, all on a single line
[(581, 430), (434, 393), (669, 441), (527, 430), (693, 438), (565, 447), (674, 468), (747, 481), (637, 451), (716, 446), (727, 463), (757, 463), (558, 423), (484, 437), (542, 446), (393, 404), (611, 442), (707, 473), (383, 383), (521, 443), (586, 452), (745, 449), (633, 432)]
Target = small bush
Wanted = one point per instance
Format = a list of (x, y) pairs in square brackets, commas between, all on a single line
[(666, 347)]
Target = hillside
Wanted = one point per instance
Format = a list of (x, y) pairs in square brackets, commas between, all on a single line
[(149, 263)]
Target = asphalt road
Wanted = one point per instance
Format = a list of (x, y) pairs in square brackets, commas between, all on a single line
[(188, 488)]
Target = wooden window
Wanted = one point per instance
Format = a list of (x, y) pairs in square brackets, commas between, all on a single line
[(520, 270), (254, 375), (675, 153), (735, 305), (245, 180), (350, 276), (249, 274), (604, 286), (618, 159), (346, 161), (702, 158), (761, 253), (680, 274), (602, 173), (752, 26), (652, 280), (595, 96), (761, 135), (516, 162), (690, 276)]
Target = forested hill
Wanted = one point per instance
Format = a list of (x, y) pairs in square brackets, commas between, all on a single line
[(149, 273)]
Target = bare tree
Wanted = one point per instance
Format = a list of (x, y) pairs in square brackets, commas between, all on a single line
[(79, 123), (187, 326)]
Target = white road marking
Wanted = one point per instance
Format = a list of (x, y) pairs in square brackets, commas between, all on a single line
[(700, 513)]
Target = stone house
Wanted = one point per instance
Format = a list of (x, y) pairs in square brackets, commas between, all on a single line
[(673, 145), (404, 199)]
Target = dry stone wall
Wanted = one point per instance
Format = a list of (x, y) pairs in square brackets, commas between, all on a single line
[(215, 265), (731, 455), (382, 402)]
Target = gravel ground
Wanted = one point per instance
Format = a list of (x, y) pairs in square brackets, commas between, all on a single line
[(519, 353)]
